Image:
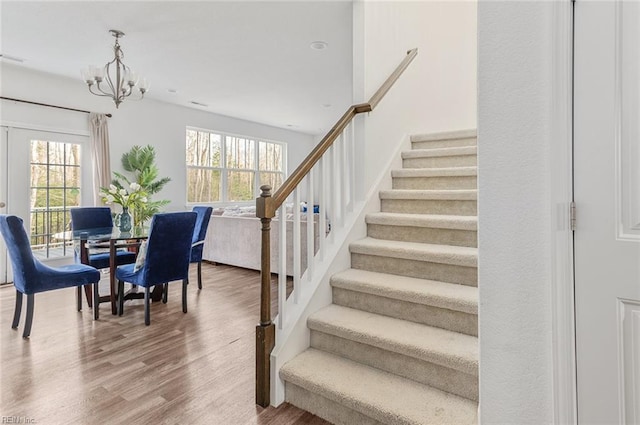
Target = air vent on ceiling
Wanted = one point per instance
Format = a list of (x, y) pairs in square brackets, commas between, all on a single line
[(11, 58), (193, 102)]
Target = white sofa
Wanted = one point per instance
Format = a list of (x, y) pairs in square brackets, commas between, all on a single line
[(235, 240)]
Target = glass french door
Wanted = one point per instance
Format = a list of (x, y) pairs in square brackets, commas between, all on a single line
[(47, 173)]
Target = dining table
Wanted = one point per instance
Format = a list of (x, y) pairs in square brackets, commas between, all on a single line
[(111, 238)]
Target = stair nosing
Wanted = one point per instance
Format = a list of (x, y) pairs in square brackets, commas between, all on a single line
[(461, 350), (388, 408), (450, 296), (432, 221), (435, 172), (434, 253), (440, 152), (419, 194), (444, 135)]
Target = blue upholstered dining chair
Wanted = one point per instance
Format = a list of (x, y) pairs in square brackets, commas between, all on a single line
[(30, 276), (166, 258), (199, 233), (94, 218)]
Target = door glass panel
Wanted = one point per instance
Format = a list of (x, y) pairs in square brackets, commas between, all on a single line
[(55, 187)]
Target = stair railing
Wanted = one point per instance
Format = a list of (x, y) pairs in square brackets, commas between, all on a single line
[(332, 163)]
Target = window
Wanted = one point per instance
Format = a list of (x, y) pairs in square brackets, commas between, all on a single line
[(55, 187), (229, 168)]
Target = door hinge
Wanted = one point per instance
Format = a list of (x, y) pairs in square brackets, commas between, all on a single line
[(572, 215)]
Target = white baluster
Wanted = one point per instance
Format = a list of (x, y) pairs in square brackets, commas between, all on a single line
[(282, 264), (336, 187), (344, 171), (352, 166), (331, 187), (322, 213), (310, 244), (296, 245)]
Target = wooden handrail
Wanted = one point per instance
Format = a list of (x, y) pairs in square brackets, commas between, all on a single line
[(266, 206), (305, 166)]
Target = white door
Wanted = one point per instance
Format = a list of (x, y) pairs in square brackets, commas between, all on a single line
[(607, 196), (3, 201)]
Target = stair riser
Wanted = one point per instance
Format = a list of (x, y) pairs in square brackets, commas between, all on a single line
[(440, 377), (452, 183), (429, 206), (455, 321), (329, 410), (413, 268), (423, 235), (440, 161), (453, 143)]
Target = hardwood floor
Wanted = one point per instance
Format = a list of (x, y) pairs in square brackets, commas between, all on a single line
[(194, 368)]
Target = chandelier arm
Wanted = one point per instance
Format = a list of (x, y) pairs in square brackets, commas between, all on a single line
[(107, 77), (102, 93)]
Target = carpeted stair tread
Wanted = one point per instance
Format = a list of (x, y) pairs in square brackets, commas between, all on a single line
[(440, 152), (440, 346), (416, 194), (438, 221), (383, 396), (451, 296), (435, 172), (445, 135), (445, 254)]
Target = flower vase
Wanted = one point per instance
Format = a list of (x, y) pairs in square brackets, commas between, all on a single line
[(125, 220)]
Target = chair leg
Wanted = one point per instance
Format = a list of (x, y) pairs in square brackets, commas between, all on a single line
[(120, 297), (87, 292), (147, 299), (96, 302), (29, 321), (165, 293), (185, 282), (17, 310), (79, 297), (199, 274)]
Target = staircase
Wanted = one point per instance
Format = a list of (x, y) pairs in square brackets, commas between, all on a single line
[(399, 343)]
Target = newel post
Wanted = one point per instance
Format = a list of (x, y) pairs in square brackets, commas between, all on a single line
[(266, 330)]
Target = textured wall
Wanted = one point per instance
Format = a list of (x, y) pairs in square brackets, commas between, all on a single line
[(514, 127)]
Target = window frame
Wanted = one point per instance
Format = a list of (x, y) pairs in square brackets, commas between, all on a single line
[(224, 170)]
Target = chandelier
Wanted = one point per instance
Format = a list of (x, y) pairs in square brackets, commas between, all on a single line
[(115, 80)]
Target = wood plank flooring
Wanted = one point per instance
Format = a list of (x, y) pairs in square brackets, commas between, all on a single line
[(194, 368)]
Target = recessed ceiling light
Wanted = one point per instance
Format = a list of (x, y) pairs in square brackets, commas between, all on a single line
[(326, 105), (174, 91), (319, 45), (193, 102)]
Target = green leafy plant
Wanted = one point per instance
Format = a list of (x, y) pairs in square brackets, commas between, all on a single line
[(140, 161)]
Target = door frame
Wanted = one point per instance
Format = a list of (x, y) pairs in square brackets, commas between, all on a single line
[(563, 342)]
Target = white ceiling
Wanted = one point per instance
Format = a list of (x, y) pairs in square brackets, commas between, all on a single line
[(250, 60)]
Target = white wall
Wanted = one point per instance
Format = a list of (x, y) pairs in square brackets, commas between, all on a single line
[(438, 90), (159, 124), (515, 56)]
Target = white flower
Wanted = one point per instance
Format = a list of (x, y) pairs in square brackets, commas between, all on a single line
[(134, 187), (113, 189), (123, 192), (125, 198), (143, 199), (109, 199)]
